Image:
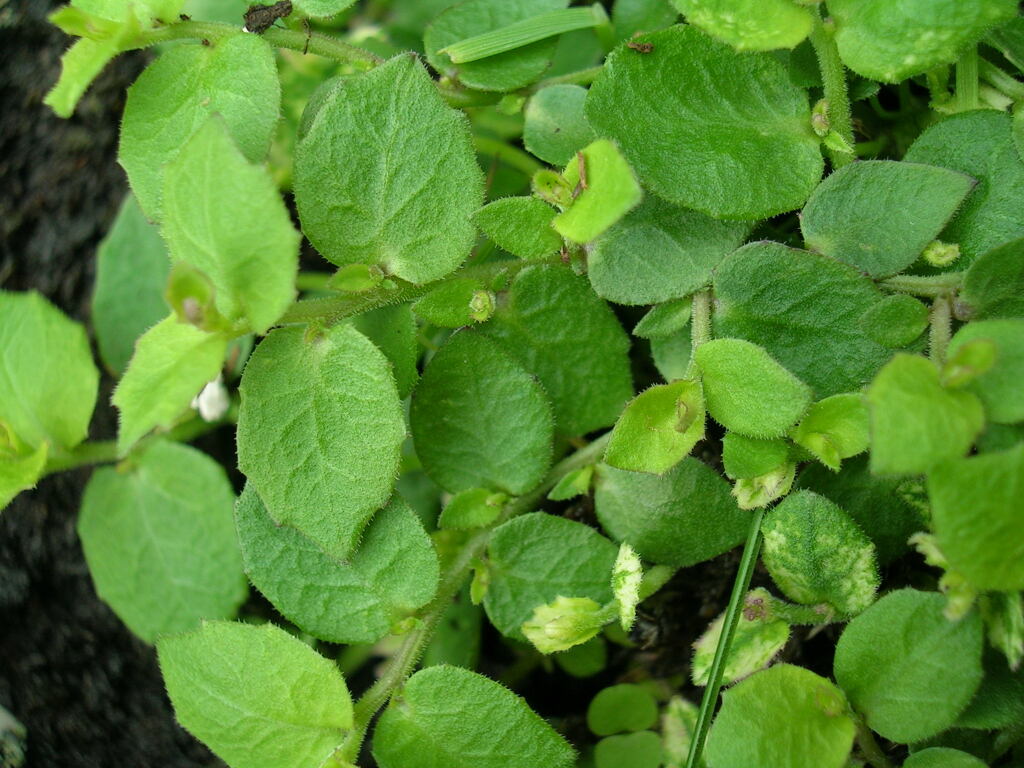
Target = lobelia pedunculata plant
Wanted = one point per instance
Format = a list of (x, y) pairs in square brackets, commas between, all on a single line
[(811, 216)]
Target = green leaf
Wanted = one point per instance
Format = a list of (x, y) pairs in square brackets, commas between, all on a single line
[(976, 512), (80, 65), (999, 388), (804, 309), (472, 508), (632, 750), (48, 380), (131, 273), (584, 660), (357, 600), (906, 667), (455, 303), (999, 702), (20, 472), (672, 354), (505, 71), (159, 541), (554, 126), (631, 16), (658, 428), (256, 696), (887, 41), (225, 218), (321, 8), (994, 285), (537, 557), (942, 757), (568, 338), (172, 363), (662, 320), (387, 175), (916, 422), (750, 457), (877, 504), (879, 215), (320, 430), (393, 330), (747, 391), (895, 321), (660, 251), (573, 484), (236, 78), (660, 107), (479, 420), (620, 708), (521, 226), (680, 518), (605, 189), (447, 716), (755, 642), (978, 143), (783, 717), (834, 429), (815, 553), (145, 11), (750, 25), (762, 490)]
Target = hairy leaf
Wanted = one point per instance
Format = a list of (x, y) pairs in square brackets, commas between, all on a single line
[(816, 554), (804, 309), (879, 215), (976, 510), (895, 321), (660, 251), (236, 78), (319, 432), (48, 381), (159, 542), (623, 707), (131, 272), (658, 428), (978, 143), (604, 190), (521, 226), (553, 324), (680, 518), (888, 41), (704, 126), (225, 218), (783, 717), (999, 388), (451, 717), (255, 695), (554, 126), (755, 642), (393, 572), (172, 363), (386, 175), (915, 421), (537, 557), (479, 420), (908, 668), (994, 285), (750, 25)]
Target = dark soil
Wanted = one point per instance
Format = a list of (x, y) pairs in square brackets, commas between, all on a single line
[(87, 691)]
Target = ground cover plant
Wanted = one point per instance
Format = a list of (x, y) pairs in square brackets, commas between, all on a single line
[(600, 295)]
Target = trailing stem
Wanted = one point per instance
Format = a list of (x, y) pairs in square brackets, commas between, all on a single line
[(402, 664), (869, 747), (927, 286), (833, 77), (940, 328), (732, 615), (967, 80), (700, 328)]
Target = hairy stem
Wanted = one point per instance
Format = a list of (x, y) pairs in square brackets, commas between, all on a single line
[(316, 43), (333, 309), (928, 286), (105, 451), (967, 80), (402, 664), (732, 615), (700, 329), (506, 153), (869, 747), (833, 77), (940, 328)]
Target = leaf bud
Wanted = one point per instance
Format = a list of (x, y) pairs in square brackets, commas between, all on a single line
[(566, 622), (940, 254)]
